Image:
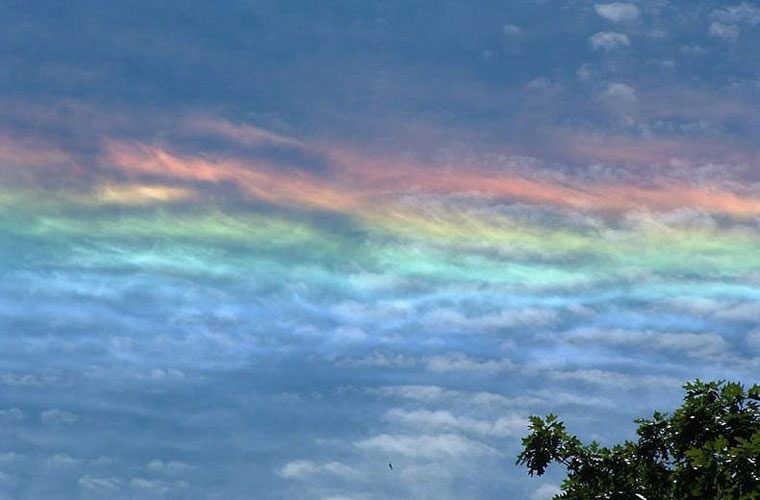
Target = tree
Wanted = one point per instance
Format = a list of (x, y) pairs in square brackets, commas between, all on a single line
[(709, 448)]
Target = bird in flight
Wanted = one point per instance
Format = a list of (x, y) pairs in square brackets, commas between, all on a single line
[(390, 466)]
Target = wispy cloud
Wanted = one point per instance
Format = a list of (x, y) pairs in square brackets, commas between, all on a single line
[(618, 11)]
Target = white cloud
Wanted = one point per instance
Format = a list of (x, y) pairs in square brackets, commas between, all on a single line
[(696, 345), (355, 496), (747, 311), (102, 460), (451, 319), (56, 415), (584, 73), (156, 486), (698, 306), (377, 359), (512, 425), (12, 414), (11, 456), (168, 374), (724, 31), (349, 334), (413, 392), (692, 49), (616, 379), (545, 492), (511, 30), (736, 14), (99, 483), (617, 11), (352, 312), (609, 40), (556, 398), (620, 93), (301, 469), (64, 460), (682, 218), (298, 469), (543, 84), (702, 306), (437, 394), (23, 380), (377, 281), (171, 466), (461, 363), (425, 446), (753, 340)]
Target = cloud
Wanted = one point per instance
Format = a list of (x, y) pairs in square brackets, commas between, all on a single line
[(620, 93), (450, 397), (160, 374), (350, 496), (696, 306), (543, 85), (462, 363), (348, 334), (12, 415), (724, 31), (64, 460), (369, 189), (156, 486), (213, 241), (444, 420), (58, 416), (302, 469), (444, 319), (239, 132), (100, 484), (511, 30), (169, 467), (425, 446), (721, 310), (423, 392), (684, 218), (742, 13), (545, 492), (11, 457), (747, 311), (377, 282), (608, 40), (615, 379), (378, 359), (617, 11), (259, 179), (585, 73), (414, 392), (694, 345), (22, 380), (354, 312), (554, 398), (753, 341), (141, 194), (30, 153)]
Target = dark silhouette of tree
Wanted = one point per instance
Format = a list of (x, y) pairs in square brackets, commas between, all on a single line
[(709, 448)]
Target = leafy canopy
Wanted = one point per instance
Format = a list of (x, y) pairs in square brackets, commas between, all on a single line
[(709, 448)]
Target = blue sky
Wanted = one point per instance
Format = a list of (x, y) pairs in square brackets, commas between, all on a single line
[(260, 249)]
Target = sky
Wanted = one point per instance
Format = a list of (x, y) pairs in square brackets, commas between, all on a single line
[(259, 249)]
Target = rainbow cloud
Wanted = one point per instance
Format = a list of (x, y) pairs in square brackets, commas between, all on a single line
[(449, 222), (359, 184)]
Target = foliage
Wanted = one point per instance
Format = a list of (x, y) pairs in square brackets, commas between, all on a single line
[(709, 448)]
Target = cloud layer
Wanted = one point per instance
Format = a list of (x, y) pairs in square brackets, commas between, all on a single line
[(270, 248)]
